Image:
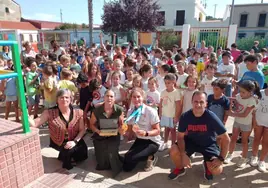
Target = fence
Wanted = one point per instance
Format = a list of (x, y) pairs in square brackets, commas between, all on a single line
[(212, 36)]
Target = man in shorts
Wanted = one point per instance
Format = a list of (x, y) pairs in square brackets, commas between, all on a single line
[(197, 132)]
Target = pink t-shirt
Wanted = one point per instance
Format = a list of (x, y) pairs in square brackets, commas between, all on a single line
[(235, 54)]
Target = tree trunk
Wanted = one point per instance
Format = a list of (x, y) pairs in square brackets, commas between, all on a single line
[(90, 21)]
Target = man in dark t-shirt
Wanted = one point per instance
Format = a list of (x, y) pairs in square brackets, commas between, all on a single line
[(197, 132)]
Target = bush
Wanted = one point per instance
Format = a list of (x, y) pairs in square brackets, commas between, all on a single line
[(168, 38), (248, 42)]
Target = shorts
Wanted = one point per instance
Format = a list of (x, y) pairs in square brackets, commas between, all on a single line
[(243, 128), (228, 90), (11, 98), (208, 152), (33, 100), (167, 122), (48, 105)]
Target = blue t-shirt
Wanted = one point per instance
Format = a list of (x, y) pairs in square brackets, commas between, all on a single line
[(218, 106), (201, 131), (254, 76)]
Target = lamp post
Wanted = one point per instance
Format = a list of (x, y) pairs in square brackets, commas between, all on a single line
[(232, 13)]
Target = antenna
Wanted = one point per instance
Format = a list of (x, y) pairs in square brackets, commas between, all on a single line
[(61, 16)]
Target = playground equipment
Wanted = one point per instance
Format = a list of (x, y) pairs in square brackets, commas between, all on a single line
[(19, 78)]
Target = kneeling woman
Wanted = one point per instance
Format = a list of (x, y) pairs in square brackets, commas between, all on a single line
[(66, 129), (145, 123), (108, 115)]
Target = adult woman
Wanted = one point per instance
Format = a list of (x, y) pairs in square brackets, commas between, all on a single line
[(28, 52), (6, 53), (66, 129), (107, 147), (145, 123)]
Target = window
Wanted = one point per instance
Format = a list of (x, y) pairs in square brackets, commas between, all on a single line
[(241, 35), (162, 13), (7, 10), (262, 20), (243, 20), (261, 35), (31, 38), (180, 17)]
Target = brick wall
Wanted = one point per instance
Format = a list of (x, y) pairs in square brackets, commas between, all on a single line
[(20, 155)]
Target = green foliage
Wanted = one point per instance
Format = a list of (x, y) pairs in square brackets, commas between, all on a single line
[(168, 38), (84, 26), (247, 42), (66, 26)]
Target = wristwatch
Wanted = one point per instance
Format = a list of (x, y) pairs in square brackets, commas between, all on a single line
[(146, 134), (75, 141), (221, 158)]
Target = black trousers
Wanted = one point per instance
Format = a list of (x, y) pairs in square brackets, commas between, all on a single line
[(78, 153), (107, 154), (139, 151)]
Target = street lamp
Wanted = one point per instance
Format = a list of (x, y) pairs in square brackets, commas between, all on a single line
[(232, 13)]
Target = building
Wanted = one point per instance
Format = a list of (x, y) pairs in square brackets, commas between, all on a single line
[(10, 11), (251, 20)]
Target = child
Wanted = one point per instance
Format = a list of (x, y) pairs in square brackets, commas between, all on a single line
[(146, 73), (65, 82), (181, 74), (32, 85), (11, 96), (191, 83), (74, 65), (261, 133), (265, 73), (153, 96), (50, 87), (218, 102), (84, 94), (169, 109), (208, 79), (118, 65), (253, 73), (93, 72), (191, 70), (242, 108), (129, 80), (105, 69), (96, 96), (226, 70), (200, 66), (117, 88), (163, 71), (65, 61)]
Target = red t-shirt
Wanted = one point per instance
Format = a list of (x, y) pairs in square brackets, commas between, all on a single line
[(235, 54), (170, 62)]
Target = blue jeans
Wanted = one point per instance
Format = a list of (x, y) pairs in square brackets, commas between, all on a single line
[(228, 90)]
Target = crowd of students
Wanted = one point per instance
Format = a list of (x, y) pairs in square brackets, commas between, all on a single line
[(235, 82)]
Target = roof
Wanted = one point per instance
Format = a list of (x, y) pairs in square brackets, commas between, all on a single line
[(42, 24), (17, 25), (250, 4)]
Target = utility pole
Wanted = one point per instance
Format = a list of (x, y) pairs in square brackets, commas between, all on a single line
[(215, 8), (232, 13), (61, 16), (90, 21)]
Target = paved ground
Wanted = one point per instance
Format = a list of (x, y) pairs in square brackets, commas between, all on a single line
[(85, 175)]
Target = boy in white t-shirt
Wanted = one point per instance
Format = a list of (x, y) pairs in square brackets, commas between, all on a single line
[(208, 79), (181, 74), (226, 70)]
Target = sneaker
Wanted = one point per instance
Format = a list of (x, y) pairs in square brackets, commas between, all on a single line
[(176, 173), (253, 161), (192, 156), (150, 164), (121, 137), (207, 174), (242, 162), (163, 147), (261, 166), (228, 158)]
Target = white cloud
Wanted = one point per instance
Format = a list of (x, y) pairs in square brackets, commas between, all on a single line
[(43, 16)]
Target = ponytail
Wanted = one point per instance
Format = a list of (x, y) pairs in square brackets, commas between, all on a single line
[(257, 90)]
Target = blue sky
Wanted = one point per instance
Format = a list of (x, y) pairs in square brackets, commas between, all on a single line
[(75, 11)]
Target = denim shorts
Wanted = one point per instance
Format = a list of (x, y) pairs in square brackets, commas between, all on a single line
[(33, 100), (11, 98), (228, 90), (167, 122)]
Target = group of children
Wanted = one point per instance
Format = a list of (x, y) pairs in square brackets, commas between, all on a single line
[(169, 84)]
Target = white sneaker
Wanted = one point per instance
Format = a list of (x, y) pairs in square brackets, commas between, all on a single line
[(163, 147), (261, 166), (121, 137), (242, 162), (253, 161), (228, 158)]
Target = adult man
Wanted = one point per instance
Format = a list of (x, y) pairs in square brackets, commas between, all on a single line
[(57, 49), (197, 132)]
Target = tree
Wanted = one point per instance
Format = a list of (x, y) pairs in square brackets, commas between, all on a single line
[(84, 26), (67, 26), (90, 21), (126, 15)]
